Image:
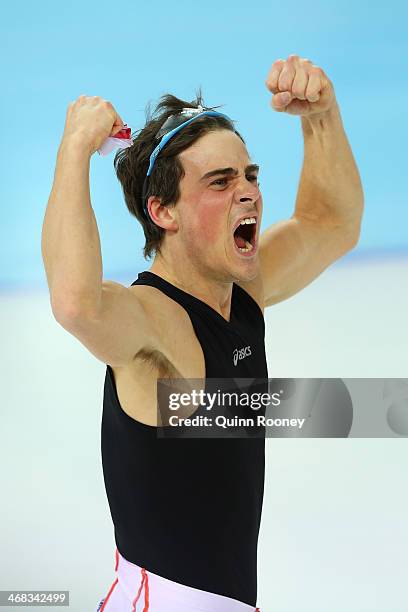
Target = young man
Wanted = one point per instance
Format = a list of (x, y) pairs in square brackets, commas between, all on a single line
[(187, 512)]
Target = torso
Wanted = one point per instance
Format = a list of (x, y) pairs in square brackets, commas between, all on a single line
[(175, 352)]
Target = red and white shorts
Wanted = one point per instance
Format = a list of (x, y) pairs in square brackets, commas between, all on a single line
[(137, 590)]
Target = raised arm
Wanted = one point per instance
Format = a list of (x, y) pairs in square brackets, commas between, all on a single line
[(105, 316), (330, 202)]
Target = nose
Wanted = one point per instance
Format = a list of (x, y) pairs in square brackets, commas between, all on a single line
[(248, 194), (248, 190)]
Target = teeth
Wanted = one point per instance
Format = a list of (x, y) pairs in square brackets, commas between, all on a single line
[(248, 220), (248, 247)]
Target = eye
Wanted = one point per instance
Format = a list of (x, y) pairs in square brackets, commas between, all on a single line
[(251, 177)]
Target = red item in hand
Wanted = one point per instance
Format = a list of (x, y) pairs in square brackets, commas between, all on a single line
[(124, 133)]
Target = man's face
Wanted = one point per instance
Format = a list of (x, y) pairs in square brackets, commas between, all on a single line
[(210, 207)]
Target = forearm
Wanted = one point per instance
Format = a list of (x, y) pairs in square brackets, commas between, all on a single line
[(70, 239), (330, 188)]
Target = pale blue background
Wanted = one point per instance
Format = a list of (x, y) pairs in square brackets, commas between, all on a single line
[(334, 524), (133, 52)]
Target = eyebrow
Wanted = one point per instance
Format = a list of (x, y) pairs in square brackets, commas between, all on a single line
[(229, 171)]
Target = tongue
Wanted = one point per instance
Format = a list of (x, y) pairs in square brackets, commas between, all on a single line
[(240, 242)]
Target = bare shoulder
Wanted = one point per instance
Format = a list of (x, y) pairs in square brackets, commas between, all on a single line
[(255, 289), (159, 307)]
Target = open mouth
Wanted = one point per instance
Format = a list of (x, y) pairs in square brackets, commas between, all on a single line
[(245, 237)]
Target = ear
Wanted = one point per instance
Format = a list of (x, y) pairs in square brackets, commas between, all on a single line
[(163, 216)]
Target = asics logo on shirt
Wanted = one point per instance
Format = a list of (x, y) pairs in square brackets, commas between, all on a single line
[(241, 354)]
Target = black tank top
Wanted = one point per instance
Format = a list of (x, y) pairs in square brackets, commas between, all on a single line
[(190, 509)]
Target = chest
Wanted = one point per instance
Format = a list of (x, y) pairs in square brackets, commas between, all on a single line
[(190, 345)]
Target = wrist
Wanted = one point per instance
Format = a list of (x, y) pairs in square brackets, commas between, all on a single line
[(75, 145), (330, 116)]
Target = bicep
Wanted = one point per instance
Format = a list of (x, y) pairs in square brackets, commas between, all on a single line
[(118, 331), (295, 251)]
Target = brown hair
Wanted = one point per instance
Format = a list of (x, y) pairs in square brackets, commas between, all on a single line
[(131, 164)]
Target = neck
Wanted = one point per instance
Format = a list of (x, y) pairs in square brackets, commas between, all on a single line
[(199, 282)]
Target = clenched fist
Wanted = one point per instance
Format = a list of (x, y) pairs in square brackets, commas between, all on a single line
[(300, 87), (90, 120)]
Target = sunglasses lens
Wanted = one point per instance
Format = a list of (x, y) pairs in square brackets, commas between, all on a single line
[(174, 121)]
